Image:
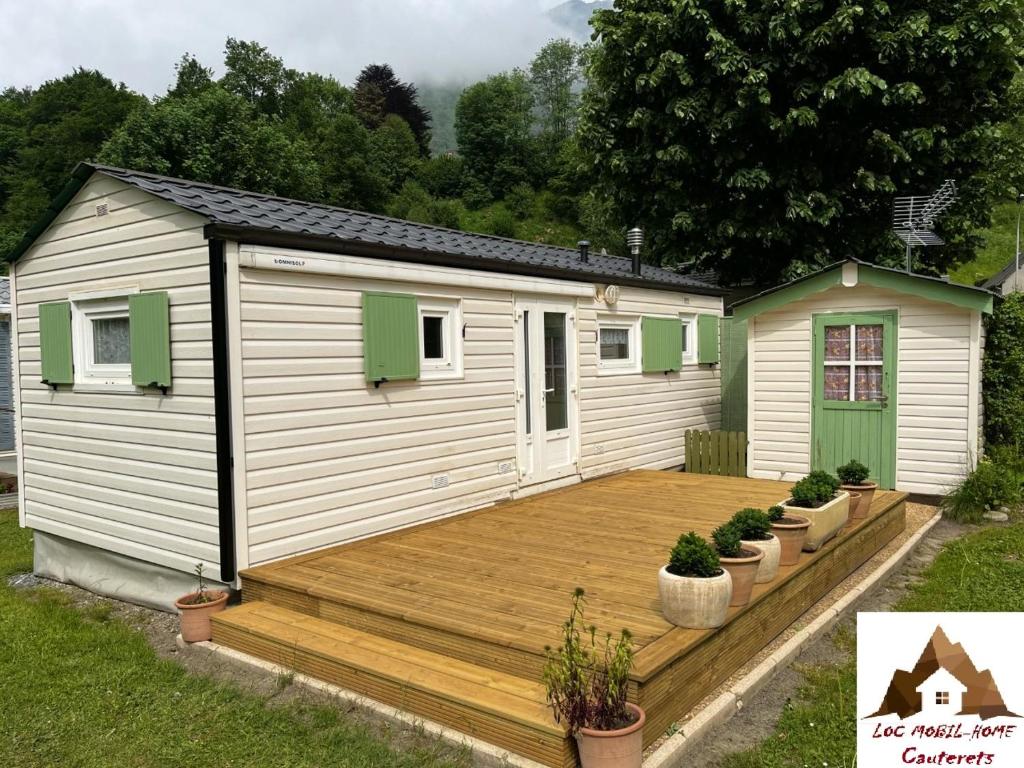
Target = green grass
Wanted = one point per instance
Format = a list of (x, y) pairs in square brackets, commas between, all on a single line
[(82, 689), (983, 571), (540, 227), (1000, 245)]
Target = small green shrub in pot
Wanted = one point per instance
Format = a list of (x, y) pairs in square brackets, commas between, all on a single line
[(755, 529), (816, 489), (693, 556), (753, 524), (727, 540), (776, 513), (853, 473)]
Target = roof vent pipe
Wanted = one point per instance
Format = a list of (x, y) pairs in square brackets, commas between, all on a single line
[(584, 246), (635, 239)]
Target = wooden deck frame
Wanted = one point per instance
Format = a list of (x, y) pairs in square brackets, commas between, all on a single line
[(488, 590)]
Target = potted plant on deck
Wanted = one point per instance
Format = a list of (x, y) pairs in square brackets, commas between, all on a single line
[(818, 498), (790, 530), (695, 590), (739, 561), (854, 478), (586, 688), (197, 607), (756, 532)]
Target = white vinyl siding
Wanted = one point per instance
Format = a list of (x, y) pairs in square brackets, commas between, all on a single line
[(128, 472), (934, 396), (634, 419)]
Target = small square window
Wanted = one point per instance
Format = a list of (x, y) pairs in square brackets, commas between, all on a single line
[(942, 697), (440, 339), (616, 346), (689, 339), (101, 342)]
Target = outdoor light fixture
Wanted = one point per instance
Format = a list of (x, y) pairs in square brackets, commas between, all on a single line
[(635, 239)]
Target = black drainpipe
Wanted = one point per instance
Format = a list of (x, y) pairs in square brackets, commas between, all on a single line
[(222, 411)]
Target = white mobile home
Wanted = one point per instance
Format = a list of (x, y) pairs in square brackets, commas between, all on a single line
[(860, 361), (209, 375)]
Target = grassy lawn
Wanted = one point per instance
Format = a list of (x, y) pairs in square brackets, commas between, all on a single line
[(79, 689), (983, 571), (1000, 245)]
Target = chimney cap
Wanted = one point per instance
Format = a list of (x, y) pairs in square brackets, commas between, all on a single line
[(635, 239)]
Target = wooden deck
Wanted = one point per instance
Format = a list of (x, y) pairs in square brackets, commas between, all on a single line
[(449, 620)]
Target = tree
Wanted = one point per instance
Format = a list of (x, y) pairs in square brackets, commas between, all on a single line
[(45, 133), (394, 153), (492, 125), (763, 138), (254, 74), (191, 77), (378, 93), (554, 80)]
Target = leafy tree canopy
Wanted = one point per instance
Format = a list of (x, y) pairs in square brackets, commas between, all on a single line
[(379, 93), (763, 138)]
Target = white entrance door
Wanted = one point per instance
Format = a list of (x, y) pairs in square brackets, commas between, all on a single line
[(546, 389)]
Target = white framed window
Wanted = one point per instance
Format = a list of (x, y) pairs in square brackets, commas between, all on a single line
[(100, 344), (440, 329), (617, 346), (689, 339)]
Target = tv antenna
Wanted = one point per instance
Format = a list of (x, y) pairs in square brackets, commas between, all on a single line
[(913, 218)]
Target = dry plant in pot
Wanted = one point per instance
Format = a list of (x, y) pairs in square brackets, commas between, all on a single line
[(197, 607), (790, 530), (818, 498), (854, 478), (694, 588), (586, 688), (756, 533), (739, 561)]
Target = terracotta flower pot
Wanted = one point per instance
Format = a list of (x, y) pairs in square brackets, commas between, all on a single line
[(195, 617), (768, 568), (826, 520), (861, 509), (694, 603), (791, 531), (743, 570), (622, 748)]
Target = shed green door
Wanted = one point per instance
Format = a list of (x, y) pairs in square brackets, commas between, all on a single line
[(854, 414)]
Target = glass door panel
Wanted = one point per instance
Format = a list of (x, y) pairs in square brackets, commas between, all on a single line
[(556, 387)]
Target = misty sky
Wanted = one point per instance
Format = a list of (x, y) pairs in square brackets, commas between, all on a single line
[(138, 41)]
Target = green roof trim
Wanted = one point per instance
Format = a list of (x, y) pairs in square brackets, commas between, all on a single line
[(78, 178), (924, 286)]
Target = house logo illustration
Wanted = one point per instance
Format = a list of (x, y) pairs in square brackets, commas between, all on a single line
[(945, 683), (940, 689)]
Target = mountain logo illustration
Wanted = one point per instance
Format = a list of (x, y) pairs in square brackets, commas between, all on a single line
[(980, 694)]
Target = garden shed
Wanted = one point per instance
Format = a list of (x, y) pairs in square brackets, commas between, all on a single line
[(865, 362), (212, 375)]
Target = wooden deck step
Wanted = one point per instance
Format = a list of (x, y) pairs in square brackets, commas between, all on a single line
[(507, 711)]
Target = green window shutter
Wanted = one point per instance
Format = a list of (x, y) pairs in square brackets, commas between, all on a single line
[(55, 343), (707, 338), (150, 337), (662, 347), (734, 374), (391, 336)]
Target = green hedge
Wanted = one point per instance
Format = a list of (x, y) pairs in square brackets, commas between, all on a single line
[(1003, 373)]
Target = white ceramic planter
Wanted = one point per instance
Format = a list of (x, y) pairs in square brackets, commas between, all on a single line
[(769, 567), (826, 521), (694, 603)]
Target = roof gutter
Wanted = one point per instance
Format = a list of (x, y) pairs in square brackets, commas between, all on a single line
[(328, 244)]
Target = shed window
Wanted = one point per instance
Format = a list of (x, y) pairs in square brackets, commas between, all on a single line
[(440, 338), (689, 339), (111, 341), (616, 346), (102, 342), (853, 363)]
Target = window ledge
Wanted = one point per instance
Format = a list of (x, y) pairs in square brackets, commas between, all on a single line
[(98, 387), (441, 375)]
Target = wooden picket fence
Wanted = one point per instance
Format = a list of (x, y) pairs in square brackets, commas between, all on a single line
[(716, 452)]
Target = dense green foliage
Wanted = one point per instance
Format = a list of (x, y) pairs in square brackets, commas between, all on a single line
[(994, 483), (853, 473), (1003, 373), (727, 540), (764, 138), (80, 687), (587, 684), (776, 513), (814, 490), (752, 524), (693, 556)]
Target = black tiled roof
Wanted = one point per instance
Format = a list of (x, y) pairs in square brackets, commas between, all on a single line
[(252, 217)]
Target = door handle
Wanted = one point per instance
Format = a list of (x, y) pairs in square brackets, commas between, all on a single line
[(884, 400), (552, 389)]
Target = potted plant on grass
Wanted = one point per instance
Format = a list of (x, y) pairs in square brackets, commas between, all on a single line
[(756, 533), (586, 689), (695, 590), (790, 530), (854, 478), (739, 561), (818, 498), (197, 607)]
